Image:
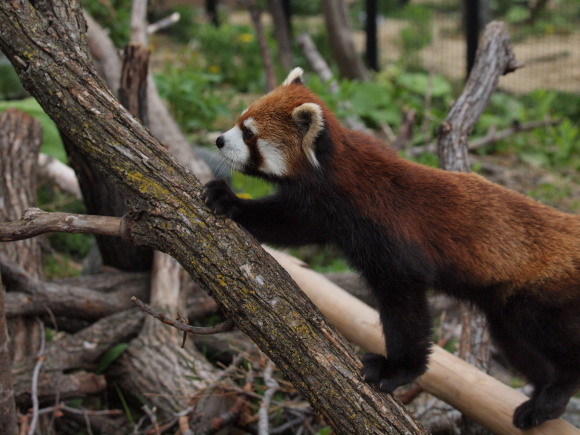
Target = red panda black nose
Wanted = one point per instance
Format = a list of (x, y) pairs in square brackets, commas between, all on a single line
[(220, 142)]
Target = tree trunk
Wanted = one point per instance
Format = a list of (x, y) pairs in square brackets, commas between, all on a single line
[(20, 140), (282, 34), (8, 416), (269, 73), (348, 60), (249, 286)]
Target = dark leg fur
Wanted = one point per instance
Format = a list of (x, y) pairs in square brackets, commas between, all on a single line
[(407, 328), (547, 402), (531, 338)]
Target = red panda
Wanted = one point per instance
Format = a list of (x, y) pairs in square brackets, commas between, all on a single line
[(409, 228)]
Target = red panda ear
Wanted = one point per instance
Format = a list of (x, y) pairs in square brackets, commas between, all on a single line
[(310, 121), (295, 76)]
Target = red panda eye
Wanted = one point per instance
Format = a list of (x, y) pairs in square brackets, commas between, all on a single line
[(248, 134)]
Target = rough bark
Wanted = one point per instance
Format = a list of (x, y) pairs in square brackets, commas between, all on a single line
[(8, 416), (495, 58), (249, 286), (134, 76), (70, 298), (342, 46), (20, 140), (76, 353)]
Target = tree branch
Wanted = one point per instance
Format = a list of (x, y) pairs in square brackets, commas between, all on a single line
[(227, 325), (35, 222)]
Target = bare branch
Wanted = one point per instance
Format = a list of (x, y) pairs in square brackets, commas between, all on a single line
[(163, 23), (263, 426), (494, 58), (35, 222), (226, 325), (40, 357)]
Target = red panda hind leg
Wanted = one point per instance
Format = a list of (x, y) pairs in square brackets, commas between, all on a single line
[(543, 343)]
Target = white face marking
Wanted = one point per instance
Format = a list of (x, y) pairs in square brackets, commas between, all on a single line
[(273, 161), (235, 150)]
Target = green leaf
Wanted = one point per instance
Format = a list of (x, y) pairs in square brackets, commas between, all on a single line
[(110, 356)]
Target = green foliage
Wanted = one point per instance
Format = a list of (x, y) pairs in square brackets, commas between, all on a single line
[(191, 96), (232, 52), (250, 187), (554, 147), (114, 15), (306, 7), (109, 357), (417, 34), (59, 266), (10, 86), (124, 404)]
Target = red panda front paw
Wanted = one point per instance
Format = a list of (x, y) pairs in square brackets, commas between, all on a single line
[(220, 199), (379, 370)]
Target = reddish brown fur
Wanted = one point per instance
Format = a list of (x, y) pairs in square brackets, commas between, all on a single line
[(409, 228)]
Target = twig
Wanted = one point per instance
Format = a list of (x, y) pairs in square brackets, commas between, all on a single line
[(89, 412), (263, 424), (35, 374), (226, 325), (405, 130), (35, 222), (427, 105), (151, 414), (233, 414), (163, 23)]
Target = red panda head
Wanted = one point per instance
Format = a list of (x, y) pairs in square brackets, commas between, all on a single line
[(275, 136)]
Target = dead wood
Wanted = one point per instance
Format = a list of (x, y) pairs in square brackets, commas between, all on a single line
[(248, 285), (35, 222), (50, 169), (162, 124), (8, 416), (75, 299), (494, 59), (20, 140), (75, 354)]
